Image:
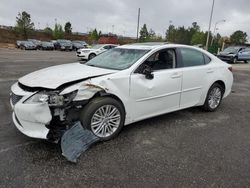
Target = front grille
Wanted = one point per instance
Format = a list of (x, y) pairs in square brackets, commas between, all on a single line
[(15, 98), (224, 57)]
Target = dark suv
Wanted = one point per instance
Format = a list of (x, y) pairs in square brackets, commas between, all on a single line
[(62, 44)]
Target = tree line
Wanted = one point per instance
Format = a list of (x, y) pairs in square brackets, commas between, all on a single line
[(192, 35), (25, 27)]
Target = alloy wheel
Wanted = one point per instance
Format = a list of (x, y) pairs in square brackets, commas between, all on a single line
[(214, 97), (105, 121)]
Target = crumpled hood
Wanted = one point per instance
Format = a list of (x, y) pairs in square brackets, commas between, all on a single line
[(53, 77), (227, 53)]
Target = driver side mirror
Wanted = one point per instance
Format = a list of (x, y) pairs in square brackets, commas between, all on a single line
[(147, 71)]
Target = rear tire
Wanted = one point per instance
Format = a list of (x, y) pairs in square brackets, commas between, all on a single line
[(214, 98), (246, 61), (104, 116)]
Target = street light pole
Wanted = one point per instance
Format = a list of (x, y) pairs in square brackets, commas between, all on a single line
[(209, 27), (138, 23), (215, 27)]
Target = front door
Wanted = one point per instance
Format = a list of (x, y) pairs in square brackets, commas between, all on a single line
[(158, 95)]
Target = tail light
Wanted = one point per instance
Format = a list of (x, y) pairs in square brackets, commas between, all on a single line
[(230, 68)]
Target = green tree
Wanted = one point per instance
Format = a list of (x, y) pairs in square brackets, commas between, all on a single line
[(238, 37), (24, 25), (144, 34), (198, 38), (151, 34), (58, 31), (94, 34), (68, 28), (48, 30), (170, 33)]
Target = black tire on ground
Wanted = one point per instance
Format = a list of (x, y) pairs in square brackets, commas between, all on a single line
[(206, 105), (91, 56), (245, 61), (235, 59), (89, 110)]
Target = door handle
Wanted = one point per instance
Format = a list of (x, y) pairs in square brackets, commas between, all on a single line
[(210, 70), (176, 75)]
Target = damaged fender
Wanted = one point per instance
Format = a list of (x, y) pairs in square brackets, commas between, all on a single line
[(86, 90)]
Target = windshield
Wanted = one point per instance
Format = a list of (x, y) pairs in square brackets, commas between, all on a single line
[(78, 41), (97, 46), (231, 50), (47, 43), (64, 41), (117, 58), (28, 43)]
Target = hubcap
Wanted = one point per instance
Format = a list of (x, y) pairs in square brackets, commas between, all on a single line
[(105, 121), (214, 97)]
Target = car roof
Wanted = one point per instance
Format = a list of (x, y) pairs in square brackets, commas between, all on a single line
[(154, 45)]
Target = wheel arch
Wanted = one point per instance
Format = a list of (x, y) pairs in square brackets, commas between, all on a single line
[(222, 84), (103, 93)]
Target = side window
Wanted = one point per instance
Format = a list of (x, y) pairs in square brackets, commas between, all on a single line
[(191, 57), (164, 59), (106, 47), (206, 59), (246, 50)]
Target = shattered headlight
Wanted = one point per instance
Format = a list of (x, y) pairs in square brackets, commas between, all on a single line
[(37, 98), (52, 98)]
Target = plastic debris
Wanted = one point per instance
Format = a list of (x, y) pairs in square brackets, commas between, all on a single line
[(75, 141)]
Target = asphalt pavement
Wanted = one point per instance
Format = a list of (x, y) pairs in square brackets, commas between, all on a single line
[(188, 148)]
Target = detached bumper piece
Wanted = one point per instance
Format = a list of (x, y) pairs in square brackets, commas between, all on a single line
[(75, 141)]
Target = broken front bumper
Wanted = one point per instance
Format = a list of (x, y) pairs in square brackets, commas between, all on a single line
[(31, 119)]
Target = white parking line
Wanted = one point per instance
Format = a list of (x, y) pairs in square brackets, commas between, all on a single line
[(16, 146), (7, 79)]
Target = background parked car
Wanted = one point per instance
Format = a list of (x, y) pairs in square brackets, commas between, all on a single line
[(46, 46), (87, 54), (244, 55), (18, 43), (36, 42), (78, 44), (62, 44), (233, 54), (27, 45)]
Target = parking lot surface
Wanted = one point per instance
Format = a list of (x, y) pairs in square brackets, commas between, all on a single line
[(189, 148)]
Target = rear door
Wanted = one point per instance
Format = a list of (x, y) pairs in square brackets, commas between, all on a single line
[(195, 72)]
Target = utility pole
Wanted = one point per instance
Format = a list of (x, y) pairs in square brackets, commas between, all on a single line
[(209, 27), (215, 28), (138, 23)]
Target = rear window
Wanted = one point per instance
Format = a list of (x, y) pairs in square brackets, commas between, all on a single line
[(192, 57)]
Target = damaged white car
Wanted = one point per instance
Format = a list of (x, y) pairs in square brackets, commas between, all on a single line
[(121, 86)]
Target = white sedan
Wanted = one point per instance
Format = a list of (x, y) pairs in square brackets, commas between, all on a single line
[(124, 85), (89, 53)]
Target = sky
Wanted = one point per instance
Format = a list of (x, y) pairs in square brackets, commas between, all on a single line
[(120, 16)]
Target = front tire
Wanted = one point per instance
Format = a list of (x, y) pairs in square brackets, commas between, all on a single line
[(214, 98), (104, 116), (246, 61), (91, 56), (235, 59)]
